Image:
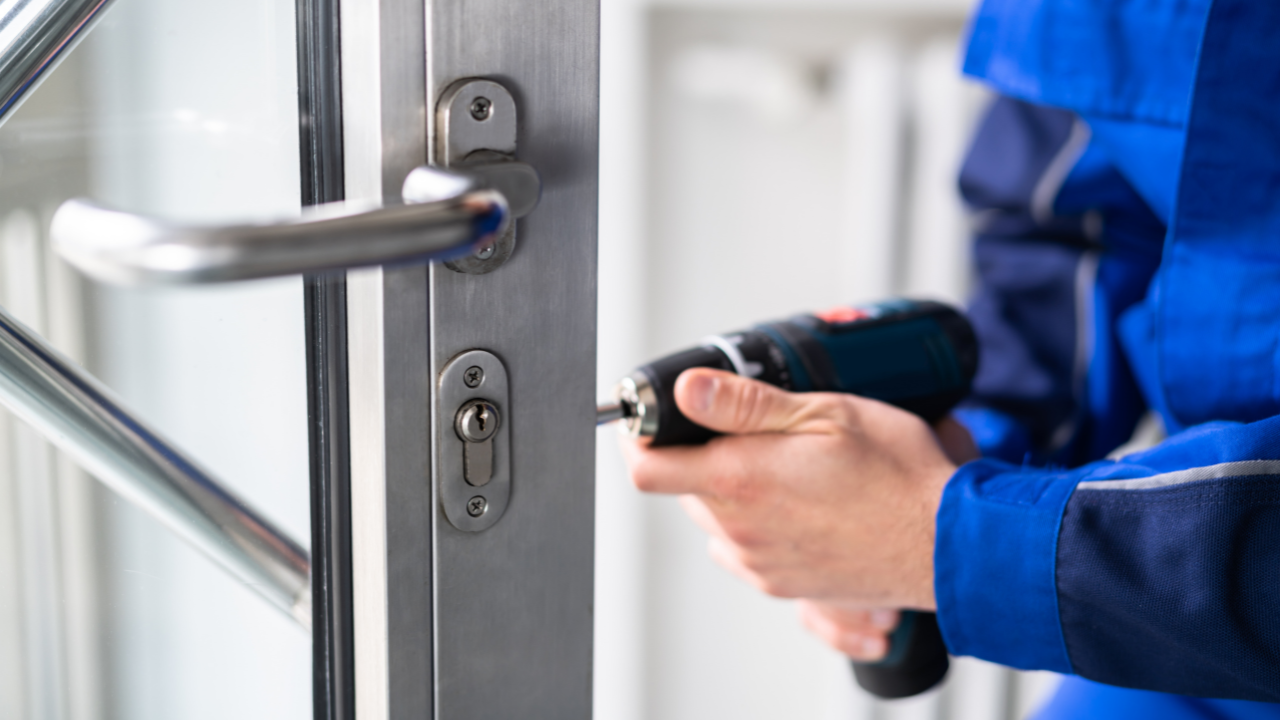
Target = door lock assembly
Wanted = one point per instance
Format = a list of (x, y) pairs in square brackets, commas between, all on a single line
[(473, 440), (476, 130)]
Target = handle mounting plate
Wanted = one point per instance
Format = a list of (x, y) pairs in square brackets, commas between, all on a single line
[(476, 124)]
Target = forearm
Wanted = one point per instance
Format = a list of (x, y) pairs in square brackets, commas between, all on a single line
[(1151, 572)]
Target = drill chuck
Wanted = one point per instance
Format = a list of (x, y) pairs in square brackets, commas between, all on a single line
[(918, 355)]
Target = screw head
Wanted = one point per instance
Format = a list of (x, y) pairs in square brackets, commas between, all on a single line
[(476, 506), (487, 251), (481, 108), (473, 376)]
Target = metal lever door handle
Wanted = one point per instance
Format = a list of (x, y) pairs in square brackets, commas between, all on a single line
[(446, 214)]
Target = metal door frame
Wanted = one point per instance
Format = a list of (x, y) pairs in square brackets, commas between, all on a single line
[(445, 623), (321, 171)]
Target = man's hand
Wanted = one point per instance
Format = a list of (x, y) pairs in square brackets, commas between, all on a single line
[(822, 496)]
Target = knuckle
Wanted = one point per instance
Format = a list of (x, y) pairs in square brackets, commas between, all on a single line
[(776, 587), (841, 409), (728, 484), (743, 535), (753, 405), (733, 480), (724, 486)]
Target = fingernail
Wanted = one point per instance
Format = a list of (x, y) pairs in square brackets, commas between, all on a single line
[(884, 619), (701, 391), (872, 648)]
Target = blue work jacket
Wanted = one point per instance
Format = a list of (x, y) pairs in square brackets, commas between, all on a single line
[(1126, 197)]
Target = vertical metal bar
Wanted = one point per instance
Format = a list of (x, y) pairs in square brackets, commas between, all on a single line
[(384, 138), (497, 623), (320, 136), (513, 604), (332, 632)]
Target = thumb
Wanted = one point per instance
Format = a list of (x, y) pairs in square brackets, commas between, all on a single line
[(728, 403)]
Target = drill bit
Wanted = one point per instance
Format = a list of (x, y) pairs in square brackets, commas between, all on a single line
[(614, 411)]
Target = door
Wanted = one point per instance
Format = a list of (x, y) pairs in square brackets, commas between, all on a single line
[(322, 401)]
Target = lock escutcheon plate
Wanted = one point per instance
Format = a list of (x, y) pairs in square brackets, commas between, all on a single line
[(457, 496)]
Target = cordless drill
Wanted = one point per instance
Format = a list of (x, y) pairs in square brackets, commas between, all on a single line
[(918, 355)]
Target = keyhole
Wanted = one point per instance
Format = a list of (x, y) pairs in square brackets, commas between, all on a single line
[(477, 421)]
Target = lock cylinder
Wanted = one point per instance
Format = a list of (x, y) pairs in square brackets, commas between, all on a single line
[(476, 423)]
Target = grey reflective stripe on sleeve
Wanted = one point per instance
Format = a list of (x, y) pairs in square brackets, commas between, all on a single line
[(1209, 472), (1064, 161)]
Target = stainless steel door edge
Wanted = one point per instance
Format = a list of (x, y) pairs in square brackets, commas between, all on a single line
[(384, 109), (513, 617), (492, 624)]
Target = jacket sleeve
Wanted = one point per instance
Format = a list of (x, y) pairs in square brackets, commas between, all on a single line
[(1063, 246), (1160, 571)]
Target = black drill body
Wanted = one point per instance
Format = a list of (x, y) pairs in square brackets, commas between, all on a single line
[(918, 355)]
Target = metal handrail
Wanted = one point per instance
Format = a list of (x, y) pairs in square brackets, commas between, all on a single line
[(83, 418), (79, 415), (445, 215), (34, 36)]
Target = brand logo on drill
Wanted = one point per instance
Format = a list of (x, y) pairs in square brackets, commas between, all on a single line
[(844, 314)]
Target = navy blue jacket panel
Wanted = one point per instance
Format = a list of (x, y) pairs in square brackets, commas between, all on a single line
[(1126, 194)]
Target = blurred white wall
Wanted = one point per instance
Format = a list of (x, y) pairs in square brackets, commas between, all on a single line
[(761, 158)]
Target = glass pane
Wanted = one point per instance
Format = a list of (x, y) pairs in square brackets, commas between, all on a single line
[(185, 109)]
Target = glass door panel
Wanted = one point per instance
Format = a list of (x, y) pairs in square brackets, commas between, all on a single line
[(186, 110)]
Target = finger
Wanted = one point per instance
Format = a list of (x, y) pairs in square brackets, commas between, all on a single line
[(862, 643), (722, 552), (856, 618), (669, 470), (860, 619), (727, 403), (698, 511), (956, 441)]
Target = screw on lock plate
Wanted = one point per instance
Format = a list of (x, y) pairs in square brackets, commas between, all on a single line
[(476, 423)]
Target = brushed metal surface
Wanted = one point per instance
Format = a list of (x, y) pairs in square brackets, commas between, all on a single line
[(513, 603), (452, 393), (384, 138), (495, 624), (459, 133), (462, 138)]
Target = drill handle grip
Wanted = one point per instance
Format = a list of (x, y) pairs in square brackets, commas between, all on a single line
[(917, 659)]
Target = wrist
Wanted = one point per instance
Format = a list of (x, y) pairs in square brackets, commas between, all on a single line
[(922, 590)]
